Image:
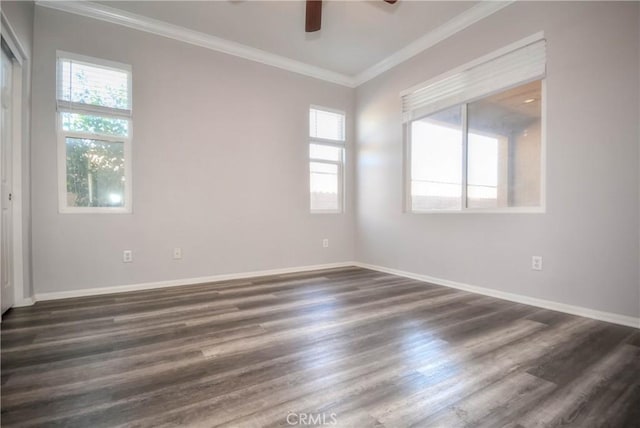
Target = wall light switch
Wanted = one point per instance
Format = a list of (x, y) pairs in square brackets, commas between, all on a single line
[(325, 243), (177, 253)]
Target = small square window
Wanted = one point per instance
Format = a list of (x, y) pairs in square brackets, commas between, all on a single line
[(95, 173)]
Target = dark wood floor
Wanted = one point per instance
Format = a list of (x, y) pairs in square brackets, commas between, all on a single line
[(351, 346)]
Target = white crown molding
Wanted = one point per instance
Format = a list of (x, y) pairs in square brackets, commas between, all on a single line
[(512, 297), (433, 37), (142, 23), (10, 37), (185, 281)]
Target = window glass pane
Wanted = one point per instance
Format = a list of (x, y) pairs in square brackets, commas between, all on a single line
[(77, 122), (330, 153), (324, 181), (92, 84), (436, 161), (95, 173), (482, 178), (504, 149), (326, 124)]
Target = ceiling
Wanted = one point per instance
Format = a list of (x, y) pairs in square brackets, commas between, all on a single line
[(355, 35)]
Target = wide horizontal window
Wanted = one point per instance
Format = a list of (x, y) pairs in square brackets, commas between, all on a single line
[(485, 154)]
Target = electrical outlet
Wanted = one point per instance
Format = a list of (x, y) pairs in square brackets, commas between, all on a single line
[(536, 263), (325, 243), (127, 256), (177, 253)]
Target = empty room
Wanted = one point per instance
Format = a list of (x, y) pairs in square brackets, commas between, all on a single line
[(381, 213)]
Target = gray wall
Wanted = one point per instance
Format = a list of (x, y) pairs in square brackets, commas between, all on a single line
[(216, 172), (20, 16), (219, 165), (589, 235)]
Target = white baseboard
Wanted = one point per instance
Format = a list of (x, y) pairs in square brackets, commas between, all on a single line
[(541, 303), (27, 301), (185, 281)]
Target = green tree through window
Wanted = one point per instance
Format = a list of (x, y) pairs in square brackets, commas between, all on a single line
[(95, 173)]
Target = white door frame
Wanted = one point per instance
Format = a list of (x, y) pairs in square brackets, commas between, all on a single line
[(20, 139)]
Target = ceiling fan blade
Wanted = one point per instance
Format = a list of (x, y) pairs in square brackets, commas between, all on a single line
[(314, 16)]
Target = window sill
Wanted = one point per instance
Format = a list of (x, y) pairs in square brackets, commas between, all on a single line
[(325, 212), (94, 210), (524, 210)]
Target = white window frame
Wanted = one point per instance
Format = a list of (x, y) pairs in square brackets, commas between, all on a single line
[(541, 209), (63, 207), (340, 164)]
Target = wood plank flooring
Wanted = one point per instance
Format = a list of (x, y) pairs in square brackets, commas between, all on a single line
[(345, 347)]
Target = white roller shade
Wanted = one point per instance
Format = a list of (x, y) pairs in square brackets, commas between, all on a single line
[(506, 70)]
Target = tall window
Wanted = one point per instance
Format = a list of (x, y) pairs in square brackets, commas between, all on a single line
[(94, 134), (326, 160), (482, 154)]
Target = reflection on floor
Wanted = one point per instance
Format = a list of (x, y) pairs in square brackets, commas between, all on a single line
[(347, 347)]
